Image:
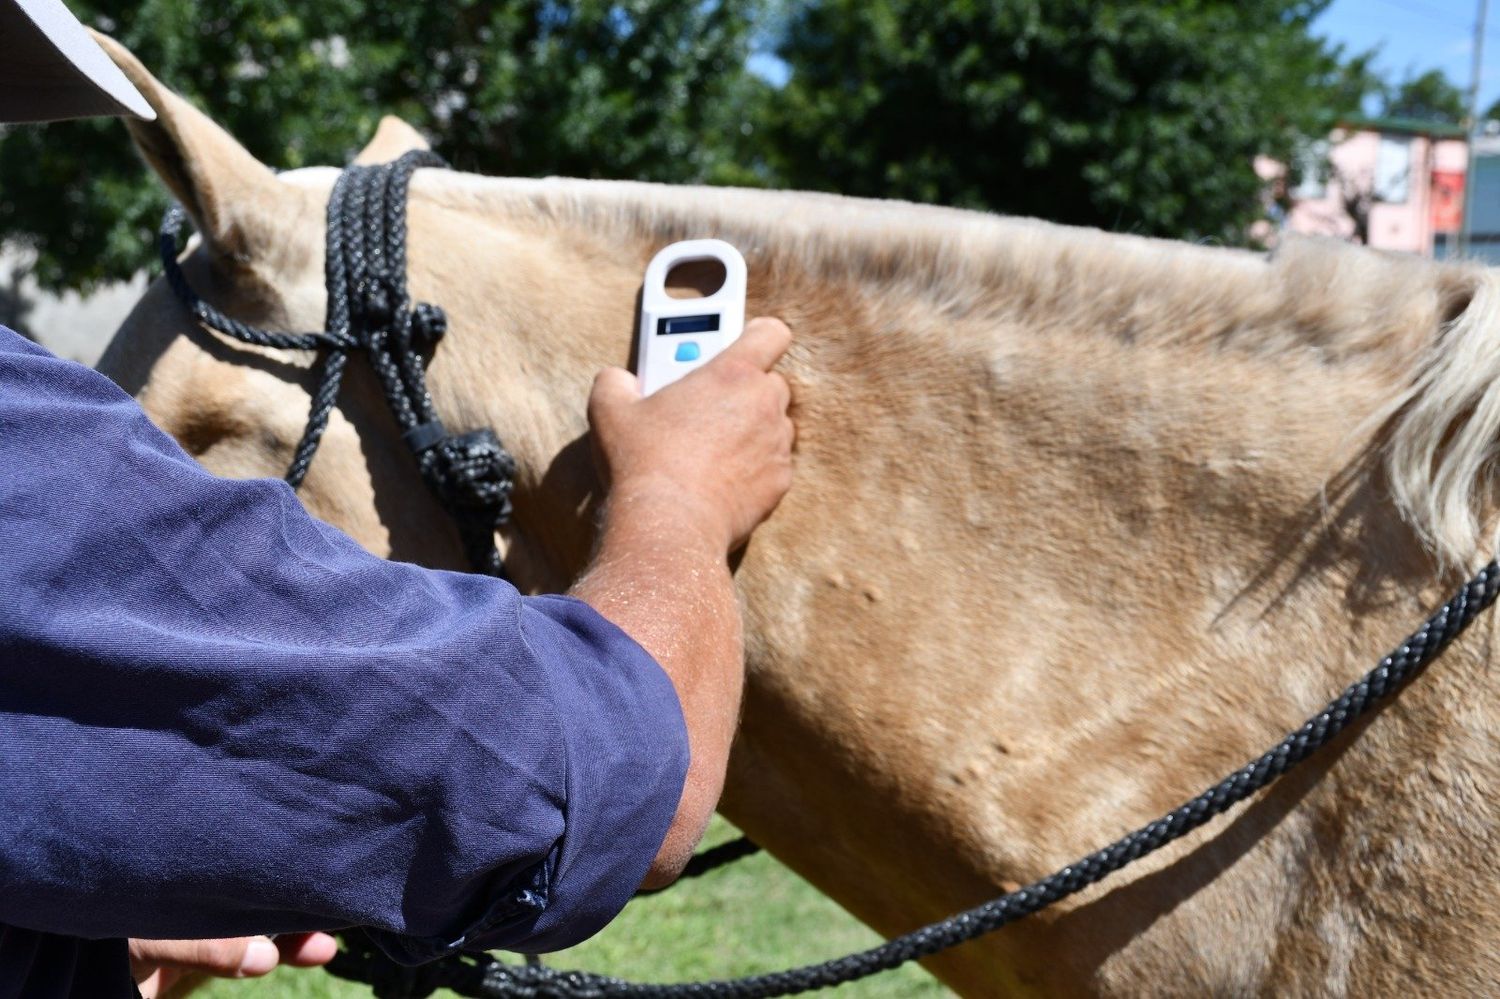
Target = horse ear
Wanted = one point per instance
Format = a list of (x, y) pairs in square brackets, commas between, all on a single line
[(392, 138), (216, 179)]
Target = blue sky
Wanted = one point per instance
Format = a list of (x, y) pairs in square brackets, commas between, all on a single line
[(1418, 35)]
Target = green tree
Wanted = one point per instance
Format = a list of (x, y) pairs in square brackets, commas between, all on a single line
[(1140, 115), (1357, 87), (1429, 97), (648, 89)]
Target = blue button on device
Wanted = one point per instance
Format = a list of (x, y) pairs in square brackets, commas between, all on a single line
[(686, 352)]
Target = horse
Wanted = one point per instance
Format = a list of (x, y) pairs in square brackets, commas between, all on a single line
[(1080, 522)]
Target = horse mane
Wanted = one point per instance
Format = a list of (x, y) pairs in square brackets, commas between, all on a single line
[(1433, 330), (1441, 450)]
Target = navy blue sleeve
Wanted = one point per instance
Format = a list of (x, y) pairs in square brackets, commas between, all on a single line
[(219, 716)]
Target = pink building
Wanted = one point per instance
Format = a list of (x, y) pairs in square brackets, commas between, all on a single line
[(1392, 184)]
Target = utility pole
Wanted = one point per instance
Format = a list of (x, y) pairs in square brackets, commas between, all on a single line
[(1471, 169)]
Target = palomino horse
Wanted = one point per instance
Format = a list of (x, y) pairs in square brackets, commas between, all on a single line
[(1080, 522)]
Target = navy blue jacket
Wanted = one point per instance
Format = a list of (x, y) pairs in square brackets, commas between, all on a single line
[(221, 717)]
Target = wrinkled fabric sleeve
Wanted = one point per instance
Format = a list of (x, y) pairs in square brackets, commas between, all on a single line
[(219, 716)]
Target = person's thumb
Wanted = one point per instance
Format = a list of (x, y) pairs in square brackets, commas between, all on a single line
[(762, 343), (613, 388)]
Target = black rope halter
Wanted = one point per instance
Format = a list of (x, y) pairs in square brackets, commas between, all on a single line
[(370, 310)]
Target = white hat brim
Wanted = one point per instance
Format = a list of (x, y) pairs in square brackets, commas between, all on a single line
[(50, 68)]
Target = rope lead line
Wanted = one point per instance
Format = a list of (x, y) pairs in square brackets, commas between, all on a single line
[(369, 309), (483, 977)]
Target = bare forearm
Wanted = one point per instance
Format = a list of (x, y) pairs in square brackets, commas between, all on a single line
[(668, 587), (692, 470)]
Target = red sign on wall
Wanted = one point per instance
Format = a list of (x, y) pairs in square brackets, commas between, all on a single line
[(1447, 200)]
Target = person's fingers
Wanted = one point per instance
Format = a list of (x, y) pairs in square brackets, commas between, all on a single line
[(153, 985), (783, 390), (307, 950), (233, 957), (762, 343)]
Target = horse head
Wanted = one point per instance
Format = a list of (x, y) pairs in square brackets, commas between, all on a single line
[(530, 318)]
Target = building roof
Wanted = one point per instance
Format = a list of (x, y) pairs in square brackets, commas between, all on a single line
[(1407, 126)]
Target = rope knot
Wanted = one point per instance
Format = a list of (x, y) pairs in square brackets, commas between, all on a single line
[(474, 473), (428, 324)]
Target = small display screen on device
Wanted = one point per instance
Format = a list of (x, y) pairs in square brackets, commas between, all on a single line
[(687, 324)]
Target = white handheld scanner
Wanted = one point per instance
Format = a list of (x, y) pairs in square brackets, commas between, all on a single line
[(680, 334)]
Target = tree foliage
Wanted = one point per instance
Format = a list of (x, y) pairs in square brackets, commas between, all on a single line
[(1140, 115), (649, 89), (1427, 97)]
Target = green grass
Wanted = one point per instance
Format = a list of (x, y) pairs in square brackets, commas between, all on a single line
[(751, 917)]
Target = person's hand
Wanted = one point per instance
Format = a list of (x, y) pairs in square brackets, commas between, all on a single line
[(165, 968), (714, 449)]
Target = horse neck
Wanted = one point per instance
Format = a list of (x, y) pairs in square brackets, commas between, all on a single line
[(1203, 445), (1035, 581)]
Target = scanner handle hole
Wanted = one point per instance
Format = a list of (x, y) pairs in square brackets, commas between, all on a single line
[(696, 278)]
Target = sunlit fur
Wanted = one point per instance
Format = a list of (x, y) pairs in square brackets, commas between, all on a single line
[(1080, 523)]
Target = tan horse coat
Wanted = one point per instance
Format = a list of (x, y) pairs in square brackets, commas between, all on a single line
[(1080, 523)]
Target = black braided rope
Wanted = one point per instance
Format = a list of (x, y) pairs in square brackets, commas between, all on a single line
[(370, 310), (485, 978)]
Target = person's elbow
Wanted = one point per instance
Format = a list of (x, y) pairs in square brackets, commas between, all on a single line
[(683, 836)]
